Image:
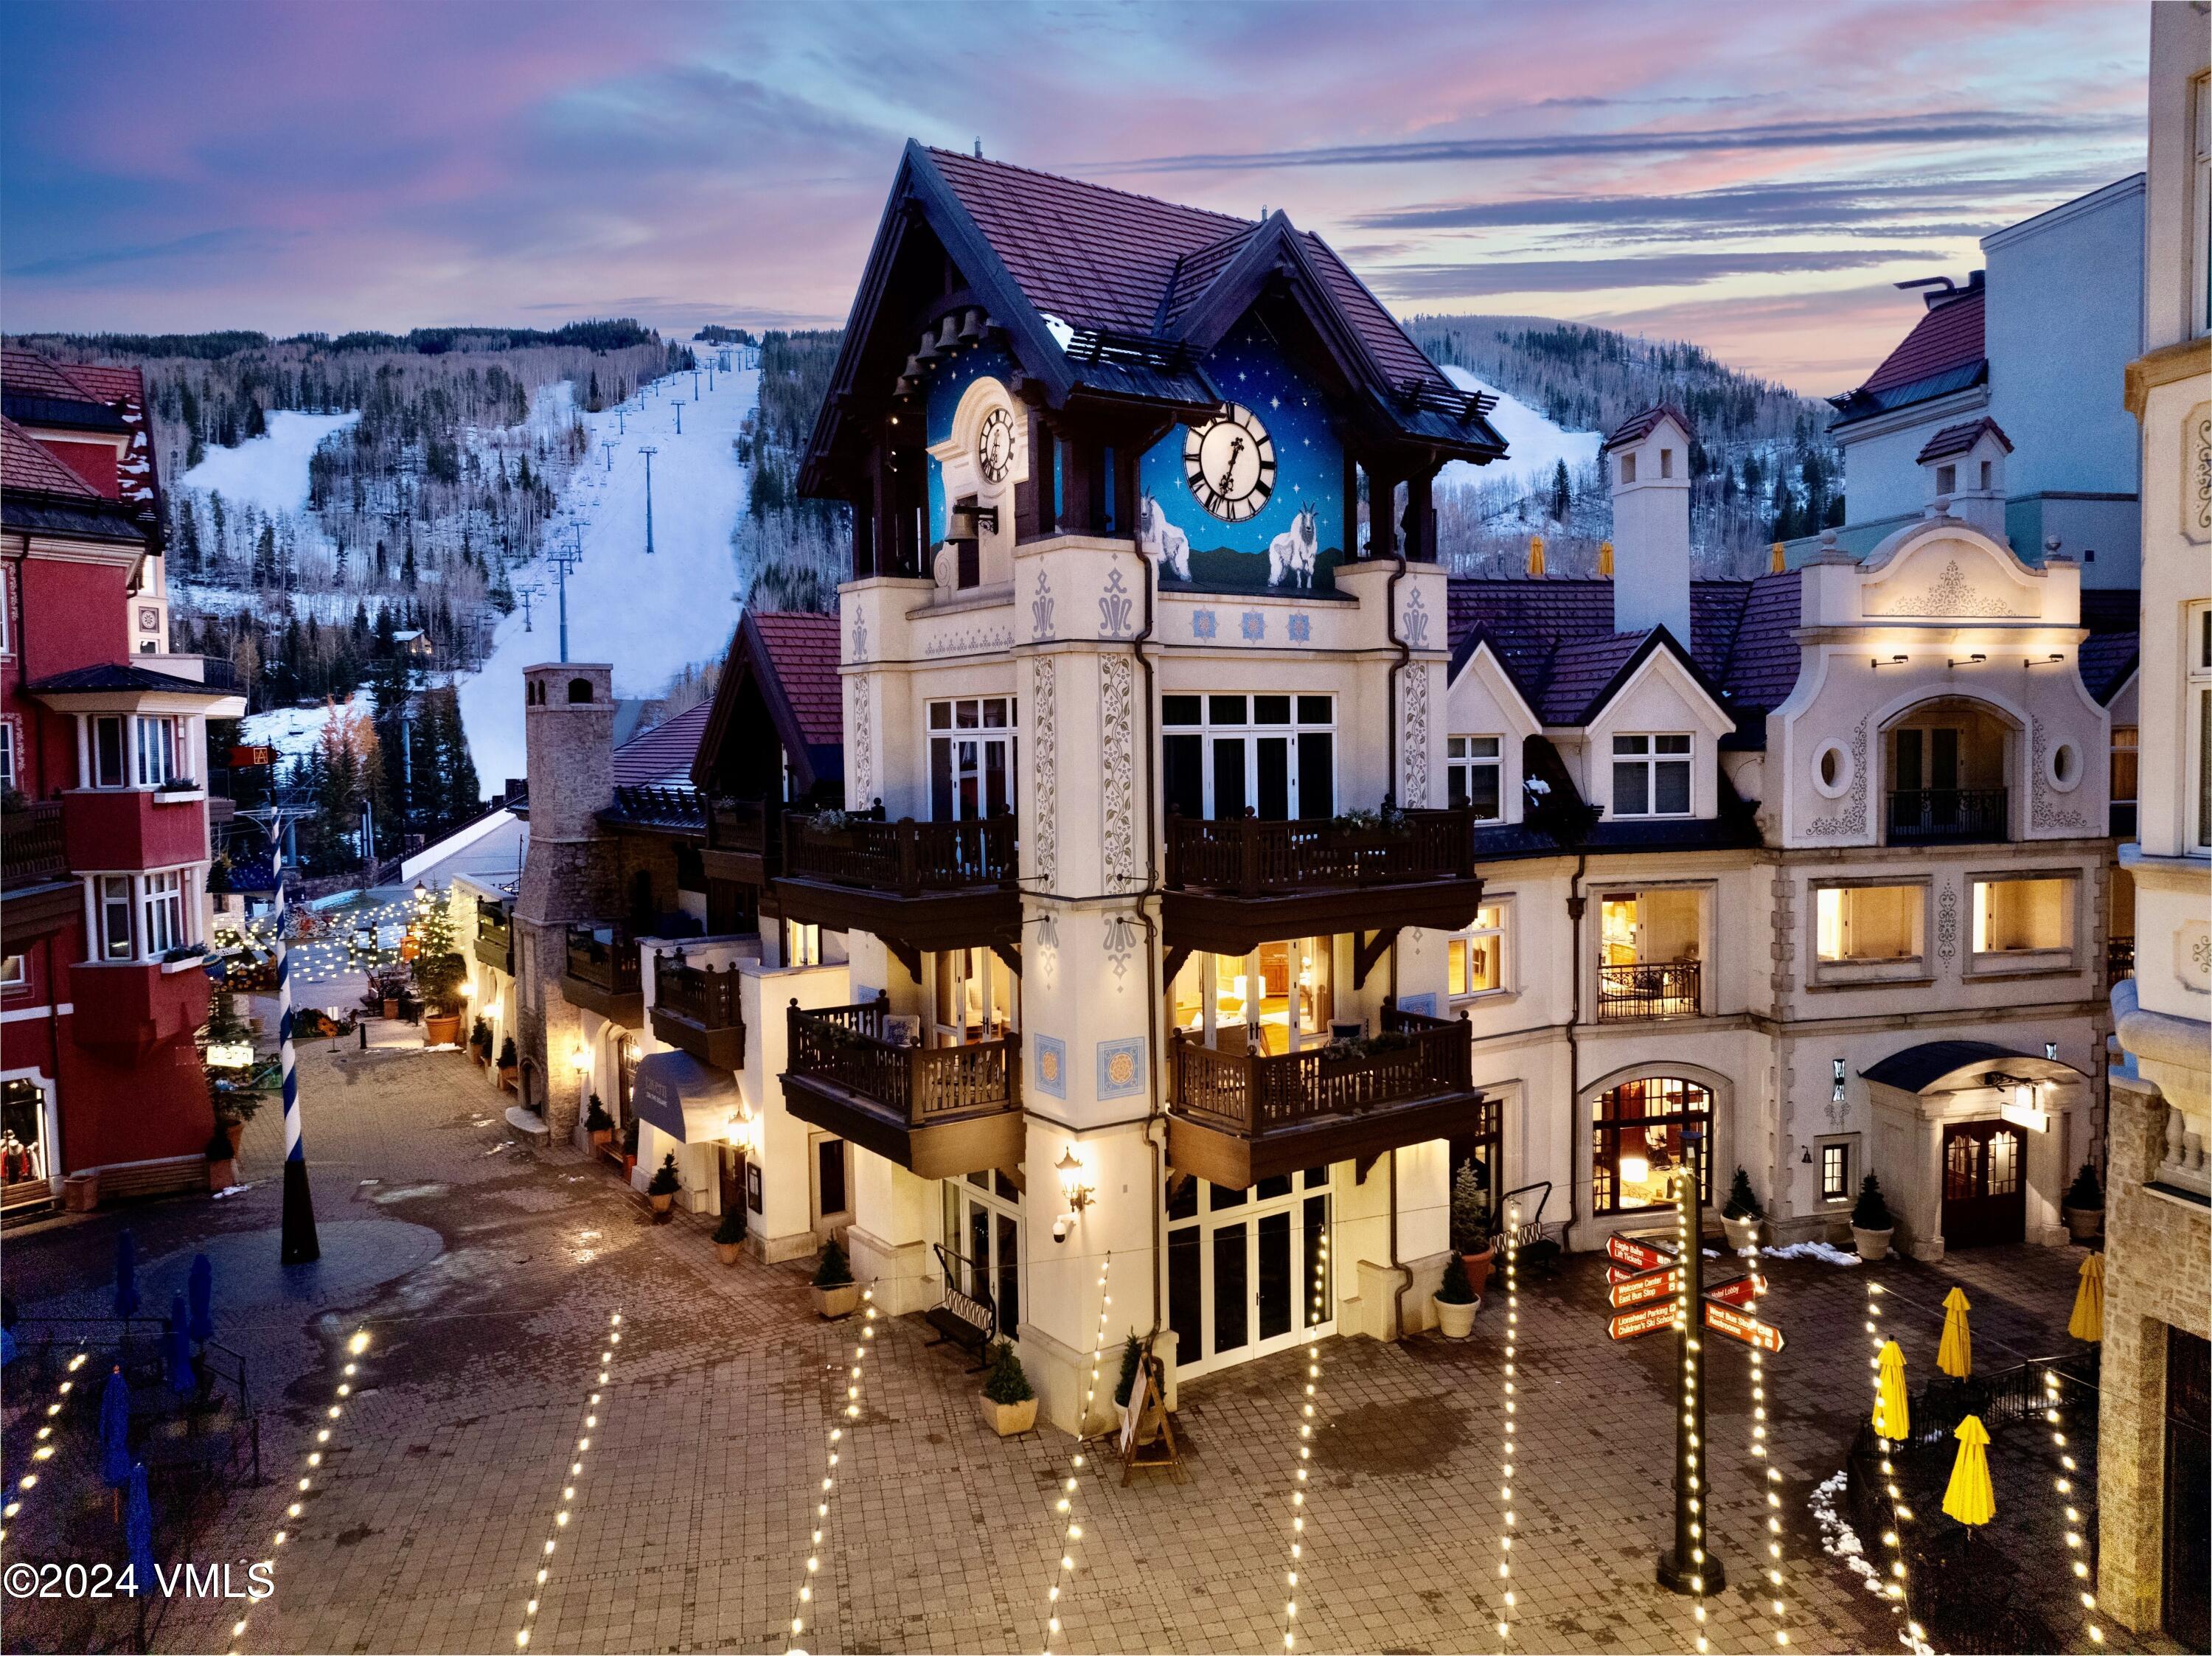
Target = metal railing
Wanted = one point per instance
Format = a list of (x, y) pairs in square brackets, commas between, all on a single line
[(1649, 990), (1254, 857), (31, 850), (903, 859), (2119, 959), (854, 1047), (1947, 816), (1253, 1094), (612, 965), (698, 994)]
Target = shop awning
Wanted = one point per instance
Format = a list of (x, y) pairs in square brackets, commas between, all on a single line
[(1951, 1065), (683, 1097)]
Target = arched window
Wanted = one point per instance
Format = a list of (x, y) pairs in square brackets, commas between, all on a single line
[(1637, 1141), (579, 689)]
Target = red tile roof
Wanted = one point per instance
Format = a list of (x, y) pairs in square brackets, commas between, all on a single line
[(1642, 424), (664, 752), (1948, 338), (1957, 439), (26, 464), (803, 650), (26, 373)]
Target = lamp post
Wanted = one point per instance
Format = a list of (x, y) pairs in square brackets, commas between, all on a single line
[(298, 1243)]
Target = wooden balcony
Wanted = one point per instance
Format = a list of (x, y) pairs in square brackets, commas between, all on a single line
[(1947, 816), (1236, 1118), (495, 945), (744, 840), (1650, 990), (698, 1009), (938, 1111), (919, 885), (1234, 884), (601, 975), (2119, 960)]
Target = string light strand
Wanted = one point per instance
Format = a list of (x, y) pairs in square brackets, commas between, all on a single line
[(1307, 1407), (1064, 1506), (854, 1375), (1685, 1319), (2077, 1549), (1508, 1517), (1773, 1476), (567, 1507), (1900, 1514), (43, 1446)]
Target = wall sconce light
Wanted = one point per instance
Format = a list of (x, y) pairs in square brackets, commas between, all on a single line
[(1805, 1156), (1973, 660), (2050, 1050), (1877, 662), (2052, 659), (581, 1058), (1836, 1088), (744, 1132), (1075, 1186)]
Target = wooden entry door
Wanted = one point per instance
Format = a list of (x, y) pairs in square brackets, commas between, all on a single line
[(1985, 1184), (732, 1167), (2187, 1517)]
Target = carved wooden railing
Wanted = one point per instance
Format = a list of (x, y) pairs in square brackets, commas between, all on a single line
[(1947, 816), (856, 1048), (903, 858), (1252, 1094), (31, 850), (1649, 990), (744, 825), (1255, 859), (611, 965), (697, 994)]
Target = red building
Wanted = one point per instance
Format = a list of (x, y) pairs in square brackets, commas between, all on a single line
[(104, 841)]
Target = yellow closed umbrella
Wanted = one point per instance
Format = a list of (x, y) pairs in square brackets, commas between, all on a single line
[(1891, 1419), (1955, 1356), (1970, 1498), (2088, 1320)]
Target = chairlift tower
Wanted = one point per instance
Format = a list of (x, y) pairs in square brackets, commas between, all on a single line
[(649, 453), (563, 559), (609, 450)]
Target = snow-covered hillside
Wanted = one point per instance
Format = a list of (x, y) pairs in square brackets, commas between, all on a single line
[(647, 615), (1533, 446), (269, 472)]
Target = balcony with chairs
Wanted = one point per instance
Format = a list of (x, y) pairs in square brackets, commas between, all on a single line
[(601, 975), (699, 1009), (1235, 883), (495, 944), (1649, 991), (939, 1111), (919, 885), (1235, 1116)]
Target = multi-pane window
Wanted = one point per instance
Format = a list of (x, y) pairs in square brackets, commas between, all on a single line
[(2023, 916), (1636, 1144), (1473, 767), (2124, 753), (115, 939), (157, 751), (2200, 712), (9, 763), (1868, 922), (1651, 776), (1270, 756), (1835, 1170), (12, 972), (971, 758), (1477, 961), (802, 943), (164, 912), (110, 756)]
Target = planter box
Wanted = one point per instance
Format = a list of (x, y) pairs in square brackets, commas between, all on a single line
[(441, 1032), (835, 1302), (1477, 1270), (222, 1175), (81, 1193), (1873, 1243), (235, 1132), (662, 1204), (2084, 1224), (1008, 1418), (728, 1252), (1741, 1233), (1457, 1321)]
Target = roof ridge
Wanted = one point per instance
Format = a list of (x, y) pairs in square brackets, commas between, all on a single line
[(1067, 178)]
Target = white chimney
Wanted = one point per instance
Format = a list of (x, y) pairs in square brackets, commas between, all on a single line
[(1965, 465), (1648, 456)]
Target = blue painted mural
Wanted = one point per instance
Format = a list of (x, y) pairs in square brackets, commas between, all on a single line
[(1256, 501), (947, 384)]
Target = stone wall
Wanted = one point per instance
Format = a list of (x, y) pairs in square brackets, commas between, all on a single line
[(2156, 1248)]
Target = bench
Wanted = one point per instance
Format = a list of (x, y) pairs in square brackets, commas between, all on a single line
[(968, 1320), (170, 1176)]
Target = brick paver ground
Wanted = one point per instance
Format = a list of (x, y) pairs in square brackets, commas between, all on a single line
[(429, 1516)]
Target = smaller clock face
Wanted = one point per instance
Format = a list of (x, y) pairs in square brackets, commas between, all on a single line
[(994, 446), (1229, 464)]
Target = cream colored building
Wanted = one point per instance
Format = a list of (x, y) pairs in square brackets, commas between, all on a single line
[(2151, 1452)]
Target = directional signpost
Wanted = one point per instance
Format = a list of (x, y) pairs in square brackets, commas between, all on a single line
[(1742, 1325)]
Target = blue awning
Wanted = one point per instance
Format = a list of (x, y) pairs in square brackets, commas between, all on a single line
[(684, 1098)]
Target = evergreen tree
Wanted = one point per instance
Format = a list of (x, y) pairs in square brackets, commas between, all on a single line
[(407, 572), (265, 557), (1563, 498)]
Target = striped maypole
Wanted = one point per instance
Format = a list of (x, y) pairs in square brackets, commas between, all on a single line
[(299, 1245)]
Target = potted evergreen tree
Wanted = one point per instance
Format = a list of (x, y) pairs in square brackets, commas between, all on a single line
[(660, 1189), (1872, 1223), (438, 972), (730, 1234), (222, 1161), (480, 1043), (2083, 1208), (598, 1123), (1741, 1217), (1457, 1300), (836, 1293), (510, 1065), (1470, 1224), (1010, 1404), (629, 1146)]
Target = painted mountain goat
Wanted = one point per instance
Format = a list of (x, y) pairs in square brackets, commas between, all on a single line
[(1160, 540), (1292, 553)]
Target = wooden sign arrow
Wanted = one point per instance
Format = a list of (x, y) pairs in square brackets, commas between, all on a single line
[(1663, 1283), (1736, 1326), (1642, 1256), (1737, 1290), (1644, 1320)]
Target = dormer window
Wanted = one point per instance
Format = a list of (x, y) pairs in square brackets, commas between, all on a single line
[(1985, 474), (1651, 775), (1947, 480), (1628, 467), (1666, 463)]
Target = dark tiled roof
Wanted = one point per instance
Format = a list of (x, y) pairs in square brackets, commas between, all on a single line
[(116, 676), (2107, 659), (1643, 424), (664, 752), (1957, 439), (803, 650), (122, 391), (72, 413), (1942, 354), (1581, 671), (26, 464), (676, 807)]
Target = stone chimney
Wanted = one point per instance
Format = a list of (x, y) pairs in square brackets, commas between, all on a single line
[(1648, 458), (568, 725), (1965, 465)]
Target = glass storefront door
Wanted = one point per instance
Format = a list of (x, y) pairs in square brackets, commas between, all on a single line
[(23, 1143), (983, 1234), (1244, 1267), (973, 998)]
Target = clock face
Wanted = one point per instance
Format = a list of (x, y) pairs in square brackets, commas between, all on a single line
[(1229, 464), (994, 446)]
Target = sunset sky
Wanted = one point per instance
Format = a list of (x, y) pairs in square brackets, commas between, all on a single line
[(1751, 177)]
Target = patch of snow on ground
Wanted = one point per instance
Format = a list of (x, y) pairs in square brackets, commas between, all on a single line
[(1834, 1256), (272, 471), (294, 732), (1841, 1542), (648, 617), (1533, 444)]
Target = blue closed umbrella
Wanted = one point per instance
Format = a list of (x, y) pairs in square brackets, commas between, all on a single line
[(127, 1275), (201, 1287), (115, 1431), (178, 1340), (138, 1533)]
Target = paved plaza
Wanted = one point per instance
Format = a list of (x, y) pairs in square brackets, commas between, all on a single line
[(486, 1274)]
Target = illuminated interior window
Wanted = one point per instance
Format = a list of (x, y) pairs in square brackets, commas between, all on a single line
[(1279, 998), (1869, 923), (2023, 916), (1637, 1141), (1477, 963)]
